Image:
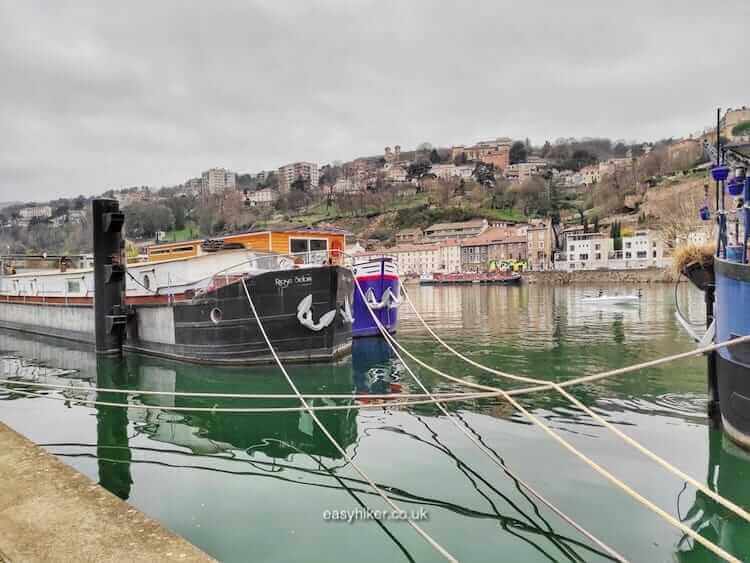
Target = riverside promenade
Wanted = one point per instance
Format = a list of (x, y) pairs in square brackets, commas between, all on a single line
[(51, 512)]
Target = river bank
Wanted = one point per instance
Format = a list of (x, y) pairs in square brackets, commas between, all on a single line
[(50, 512)]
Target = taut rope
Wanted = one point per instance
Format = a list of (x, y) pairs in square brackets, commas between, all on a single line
[(481, 446), (440, 549)]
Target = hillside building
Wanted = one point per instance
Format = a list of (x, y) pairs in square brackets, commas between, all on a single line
[(218, 180), (290, 172)]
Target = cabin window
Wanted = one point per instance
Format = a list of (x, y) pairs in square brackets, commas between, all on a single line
[(216, 315), (312, 251), (73, 286), (146, 281)]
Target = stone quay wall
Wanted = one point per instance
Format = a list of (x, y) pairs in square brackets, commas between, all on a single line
[(640, 276)]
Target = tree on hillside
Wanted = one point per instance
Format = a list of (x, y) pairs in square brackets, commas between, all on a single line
[(678, 217), (300, 184), (434, 156), (484, 174), (615, 233), (518, 152), (531, 196), (545, 149), (418, 170), (329, 174), (145, 219), (271, 181), (580, 158), (180, 207), (742, 128), (246, 182)]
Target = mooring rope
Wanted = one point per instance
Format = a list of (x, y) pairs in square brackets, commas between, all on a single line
[(484, 449), (256, 410), (351, 396), (739, 511), (646, 502), (439, 548)]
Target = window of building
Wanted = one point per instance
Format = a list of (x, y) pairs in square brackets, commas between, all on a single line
[(628, 245), (628, 255), (597, 246), (642, 254), (654, 254), (583, 257), (598, 255)]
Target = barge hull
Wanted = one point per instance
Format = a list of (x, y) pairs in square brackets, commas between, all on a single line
[(217, 327)]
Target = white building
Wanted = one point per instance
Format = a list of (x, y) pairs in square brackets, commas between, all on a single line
[(305, 170), (643, 249), (522, 170), (427, 258), (591, 175), (345, 186), (218, 180), (446, 171), (265, 197), (395, 172), (595, 251), (585, 251), (35, 212)]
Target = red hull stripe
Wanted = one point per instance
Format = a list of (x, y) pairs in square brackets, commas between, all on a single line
[(375, 277), (132, 300)]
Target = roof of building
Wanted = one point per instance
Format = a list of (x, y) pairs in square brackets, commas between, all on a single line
[(496, 235), (459, 225)]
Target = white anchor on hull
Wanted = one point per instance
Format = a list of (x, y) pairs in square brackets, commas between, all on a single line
[(305, 315), (389, 300), (346, 311)]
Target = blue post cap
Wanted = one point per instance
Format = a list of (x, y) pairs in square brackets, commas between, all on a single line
[(735, 187), (720, 173)]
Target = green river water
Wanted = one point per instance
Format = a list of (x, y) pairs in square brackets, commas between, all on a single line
[(264, 487)]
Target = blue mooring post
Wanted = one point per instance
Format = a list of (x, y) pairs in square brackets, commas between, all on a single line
[(110, 315)]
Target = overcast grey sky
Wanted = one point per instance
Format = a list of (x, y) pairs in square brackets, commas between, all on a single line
[(98, 94)]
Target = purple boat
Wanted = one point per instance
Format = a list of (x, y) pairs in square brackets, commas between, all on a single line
[(378, 278)]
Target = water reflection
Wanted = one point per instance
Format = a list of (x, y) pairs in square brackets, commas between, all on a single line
[(112, 451), (726, 475)]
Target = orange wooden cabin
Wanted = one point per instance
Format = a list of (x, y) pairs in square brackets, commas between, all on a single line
[(297, 241)]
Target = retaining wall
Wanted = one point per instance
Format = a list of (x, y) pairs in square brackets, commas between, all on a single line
[(640, 276)]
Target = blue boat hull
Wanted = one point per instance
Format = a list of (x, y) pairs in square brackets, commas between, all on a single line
[(375, 277), (733, 363), (364, 325)]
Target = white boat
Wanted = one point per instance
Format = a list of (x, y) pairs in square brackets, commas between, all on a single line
[(612, 299)]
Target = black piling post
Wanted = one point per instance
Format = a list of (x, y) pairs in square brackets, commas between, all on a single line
[(109, 277), (714, 411)]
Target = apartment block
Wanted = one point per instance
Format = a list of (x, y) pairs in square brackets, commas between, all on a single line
[(305, 170), (35, 212), (218, 180)]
